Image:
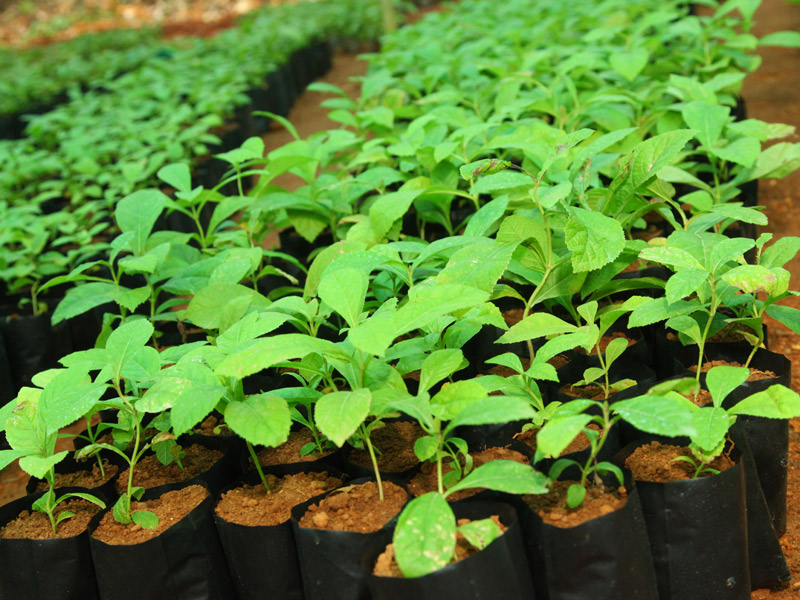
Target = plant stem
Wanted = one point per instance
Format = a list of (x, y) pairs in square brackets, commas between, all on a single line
[(712, 311), (365, 437), (257, 463)]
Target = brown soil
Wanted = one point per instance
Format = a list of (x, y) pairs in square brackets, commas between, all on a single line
[(702, 398), (513, 316), (253, 506), (386, 564), (552, 506), (755, 374), (170, 508), (587, 392), (656, 462), (212, 426), (394, 444), (88, 479), (288, 453), (581, 442), (356, 508), (34, 525), (426, 480), (150, 473), (607, 339)]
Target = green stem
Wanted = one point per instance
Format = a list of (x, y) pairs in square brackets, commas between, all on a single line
[(257, 463), (712, 311), (365, 437)]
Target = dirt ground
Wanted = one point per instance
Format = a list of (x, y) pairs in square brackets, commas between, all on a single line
[(772, 95)]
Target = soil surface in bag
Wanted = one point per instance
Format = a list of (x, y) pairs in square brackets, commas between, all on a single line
[(150, 473), (289, 452), (35, 525), (170, 508), (581, 441), (85, 478), (394, 445), (356, 508), (386, 564), (253, 505), (553, 510), (755, 374), (213, 426), (427, 480), (656, 462)]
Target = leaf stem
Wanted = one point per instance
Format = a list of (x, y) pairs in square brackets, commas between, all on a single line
[(365, 437), (257, 463)]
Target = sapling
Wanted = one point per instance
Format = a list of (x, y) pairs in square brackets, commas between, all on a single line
[(665, 410), (570, 420), (31, 423)]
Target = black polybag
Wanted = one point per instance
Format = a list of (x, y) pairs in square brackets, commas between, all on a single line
[(45, 569), (246, 546), (698, 533), (332, 562), (606, 558), (185, 562), (498, 572)]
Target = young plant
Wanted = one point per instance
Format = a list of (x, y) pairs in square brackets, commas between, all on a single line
[(569, 421), (32, 422), (697, 290), (665, 410)]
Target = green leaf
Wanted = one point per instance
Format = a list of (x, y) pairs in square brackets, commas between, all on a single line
[(480, 533), (426, 447), (345, 291), (685, 283), (145, 519), (615, 349), (558, 433), (629, 64), (263, 419), (339, 414), (425, 536), (485, 166), (687, 326), (755, 278), (676, 258), (267, 352), (324, 259), (651, 155), (375, 335), (594, 239), (429, 302), (776, 402), (780, 252), (575, 495), (138, 213), (534, 326), (506, 476), (727, 250), (708, 119), (743, 151), (125, 341), (787, 315), (785, 39), (660, 415), (9, 456), (68, 397), (711, 426), (83, 298), (490, 410), (219, 305), (777, 161), (39, 466), (455, 397), (487, 215), (25, 428), (176, 175), (131, 298), (389, 208), (659, 309), (439, 365), (480, 265)]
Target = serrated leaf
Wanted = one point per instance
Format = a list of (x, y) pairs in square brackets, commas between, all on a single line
[(345, 291), (262, 419), (594, 239), (711, 426), (480, 533), (708, 119), (629, 63), (339, 414), (722, 380), (534, 326), (685, 283), (659, 415), (439, 365), (487, 411), (559, 433)]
